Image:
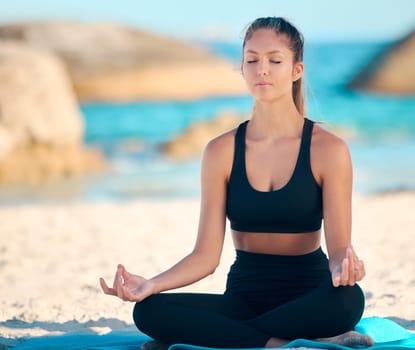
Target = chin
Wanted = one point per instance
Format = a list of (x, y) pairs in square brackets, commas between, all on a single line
[(270, 97), (265, 99)]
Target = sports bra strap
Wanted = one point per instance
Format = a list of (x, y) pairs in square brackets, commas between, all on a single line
[(304, 155), (239, 152)]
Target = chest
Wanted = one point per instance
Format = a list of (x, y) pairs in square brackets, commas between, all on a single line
[(270, 166)]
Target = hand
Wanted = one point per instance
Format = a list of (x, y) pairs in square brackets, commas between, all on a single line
[(348, 271), (127, 286)]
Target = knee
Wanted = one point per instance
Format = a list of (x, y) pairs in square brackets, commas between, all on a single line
[(351, 297), (351, 304), (144, 314)]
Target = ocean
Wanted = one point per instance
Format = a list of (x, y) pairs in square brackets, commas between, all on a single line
[(380, 132)]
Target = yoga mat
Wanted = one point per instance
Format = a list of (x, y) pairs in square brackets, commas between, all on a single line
[(386, 334), (124, 339)]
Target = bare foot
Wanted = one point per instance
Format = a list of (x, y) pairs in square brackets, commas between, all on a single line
[(154, 345), (351, 339)]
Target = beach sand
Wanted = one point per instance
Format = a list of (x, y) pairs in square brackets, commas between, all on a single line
[(51, 257)]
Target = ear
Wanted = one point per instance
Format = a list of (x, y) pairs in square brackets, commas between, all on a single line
[(298, 71)]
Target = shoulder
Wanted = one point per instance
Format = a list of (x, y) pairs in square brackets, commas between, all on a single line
[(218, 153), (328, 145), (329, 153), (221, 143)]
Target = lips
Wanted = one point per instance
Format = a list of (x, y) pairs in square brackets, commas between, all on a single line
[(263, 83)]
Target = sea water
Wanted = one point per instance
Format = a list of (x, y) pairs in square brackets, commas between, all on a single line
[(379, 129)]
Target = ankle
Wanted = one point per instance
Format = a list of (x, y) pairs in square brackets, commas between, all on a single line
[(275, 342)]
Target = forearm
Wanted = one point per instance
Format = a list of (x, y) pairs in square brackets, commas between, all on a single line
[(190, 269)]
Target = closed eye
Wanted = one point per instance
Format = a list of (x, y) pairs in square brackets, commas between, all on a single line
[(272, 61)]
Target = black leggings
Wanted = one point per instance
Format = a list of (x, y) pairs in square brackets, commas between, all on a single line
[(266, 296)]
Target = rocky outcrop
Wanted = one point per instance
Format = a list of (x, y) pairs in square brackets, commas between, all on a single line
[(192, 141), (41, 128), (390, 72), (109, 62)]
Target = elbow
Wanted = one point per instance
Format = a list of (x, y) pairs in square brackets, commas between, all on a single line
[(212, 269), (214, 264), (206, 263), (209, 267)]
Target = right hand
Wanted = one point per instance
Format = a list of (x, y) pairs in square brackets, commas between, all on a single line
[(349, 270), (127, 286)]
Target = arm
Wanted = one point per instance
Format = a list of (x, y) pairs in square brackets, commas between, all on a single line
[(345, 267), (205, 256)]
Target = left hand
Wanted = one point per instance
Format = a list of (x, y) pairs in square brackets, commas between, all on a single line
[(349, 270), (127, 286)]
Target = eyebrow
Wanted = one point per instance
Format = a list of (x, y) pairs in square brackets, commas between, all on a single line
[(273, 51)]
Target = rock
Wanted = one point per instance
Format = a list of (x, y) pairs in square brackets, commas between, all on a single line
[(110, 62), (41, 128), (192, 141), (390, 72), (40, 163)]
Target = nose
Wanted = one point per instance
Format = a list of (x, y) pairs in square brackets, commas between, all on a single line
[(263, 68)]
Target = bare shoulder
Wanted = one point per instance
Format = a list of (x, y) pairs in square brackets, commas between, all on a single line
[(328, 145), (222, 143), (218, 153), (329, 153)]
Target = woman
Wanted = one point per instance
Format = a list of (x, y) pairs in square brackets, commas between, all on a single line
[(275, 177)]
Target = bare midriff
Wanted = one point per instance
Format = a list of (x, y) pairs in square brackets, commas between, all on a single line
[(277, 243)]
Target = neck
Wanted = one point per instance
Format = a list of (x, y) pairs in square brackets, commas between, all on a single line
[(271, 120)]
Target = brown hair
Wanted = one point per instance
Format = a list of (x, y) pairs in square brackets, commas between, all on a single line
[(296, 44)]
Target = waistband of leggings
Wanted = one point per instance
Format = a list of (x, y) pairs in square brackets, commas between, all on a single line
[(316, 256)]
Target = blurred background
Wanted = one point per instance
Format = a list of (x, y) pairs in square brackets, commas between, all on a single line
[(116, 100)]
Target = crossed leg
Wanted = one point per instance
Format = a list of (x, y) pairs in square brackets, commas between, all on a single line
[(325, 314)]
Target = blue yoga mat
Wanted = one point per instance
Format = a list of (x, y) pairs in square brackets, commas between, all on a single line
[(124, 339), (386, 334)]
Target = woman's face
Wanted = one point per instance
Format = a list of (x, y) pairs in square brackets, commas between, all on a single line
[(268, 67)]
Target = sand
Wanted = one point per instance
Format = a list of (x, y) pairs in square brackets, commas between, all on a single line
[(51, 257)]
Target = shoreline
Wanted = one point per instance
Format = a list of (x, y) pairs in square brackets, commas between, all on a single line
[(51, 257), (35, 195)]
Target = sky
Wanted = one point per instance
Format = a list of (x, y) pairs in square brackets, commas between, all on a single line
[(319, 20)]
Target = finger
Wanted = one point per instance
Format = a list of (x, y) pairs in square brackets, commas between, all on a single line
[(125, 275), (356, 258), (360, 270), (359, 266), (105, 288), (336, 280), (362, 267), (121, 267), (116, 278), (345, 272), (350, 256), (119, 282)]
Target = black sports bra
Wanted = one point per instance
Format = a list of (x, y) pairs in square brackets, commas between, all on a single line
[(294, 208)]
